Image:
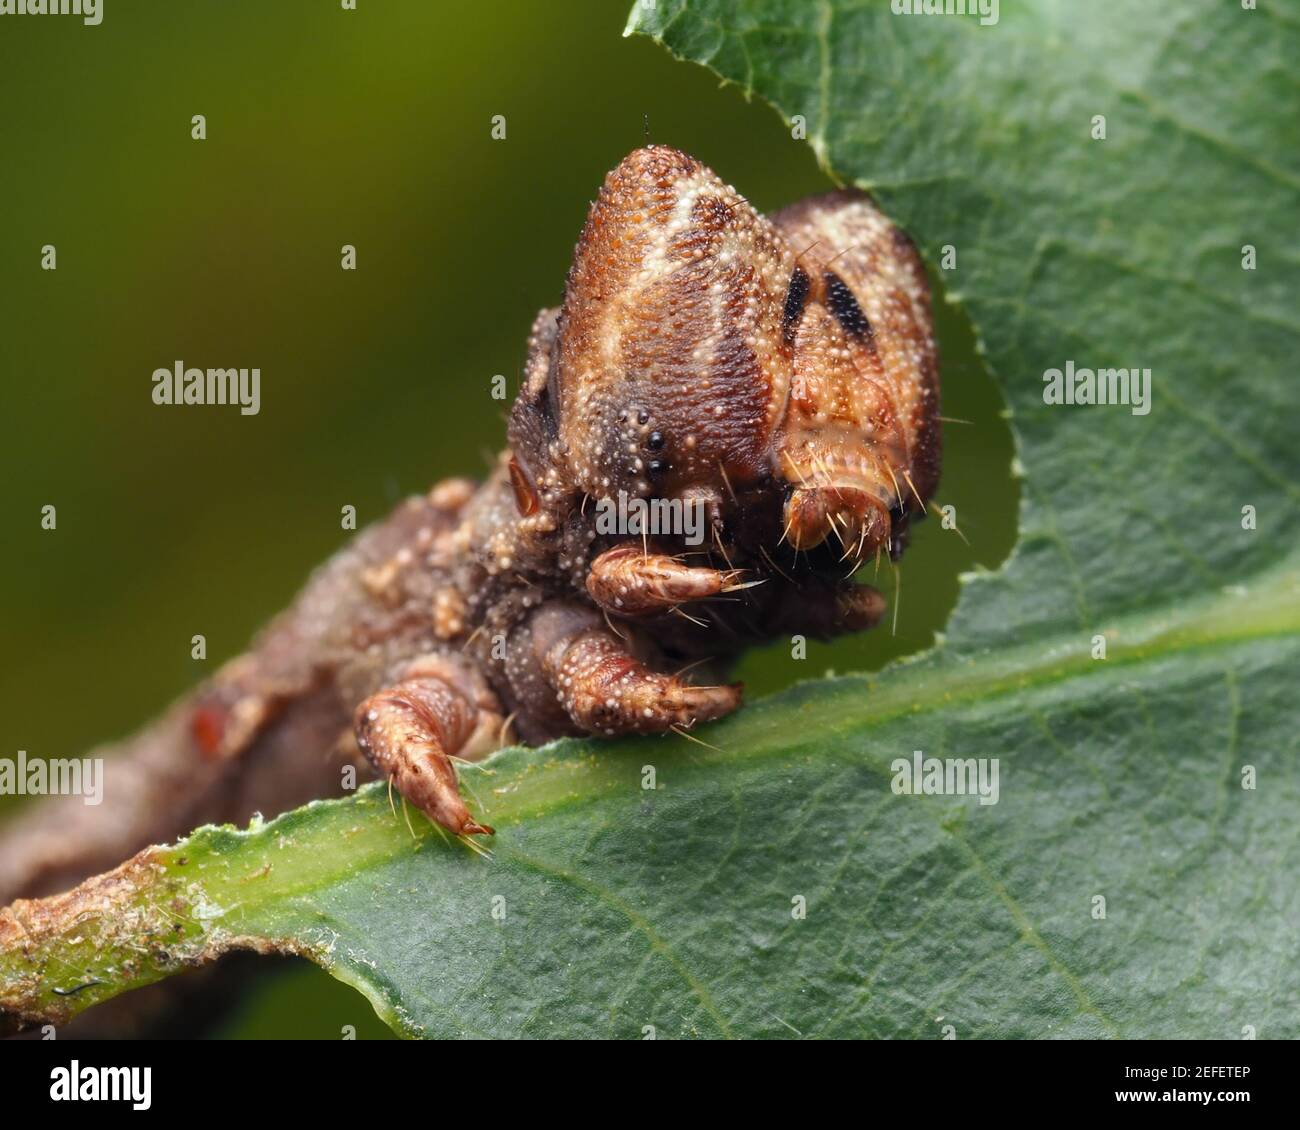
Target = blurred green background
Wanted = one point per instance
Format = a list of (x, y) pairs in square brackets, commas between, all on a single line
[(325, 127)]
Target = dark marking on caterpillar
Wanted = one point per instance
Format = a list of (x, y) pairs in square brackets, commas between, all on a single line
[(842, 303), (796, 296)]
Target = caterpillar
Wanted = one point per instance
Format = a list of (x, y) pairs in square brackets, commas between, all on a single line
[(775, 376)]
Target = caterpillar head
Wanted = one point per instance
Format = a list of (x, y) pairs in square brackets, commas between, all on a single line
[(783, 370)]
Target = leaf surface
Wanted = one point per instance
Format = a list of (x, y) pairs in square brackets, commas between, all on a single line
[(1125, 883)]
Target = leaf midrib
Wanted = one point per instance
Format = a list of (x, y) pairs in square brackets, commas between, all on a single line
[(1049, 661)]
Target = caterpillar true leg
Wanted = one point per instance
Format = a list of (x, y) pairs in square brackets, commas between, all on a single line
[(627, 581), (411, 730)]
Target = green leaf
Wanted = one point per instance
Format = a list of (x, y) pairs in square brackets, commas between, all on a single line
[(607, 908)]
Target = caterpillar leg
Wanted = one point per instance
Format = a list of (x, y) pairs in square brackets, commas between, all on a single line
[(607, 690), (627, 581), (411, 730)]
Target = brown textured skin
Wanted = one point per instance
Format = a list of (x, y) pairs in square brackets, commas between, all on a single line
[(782, 371)]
